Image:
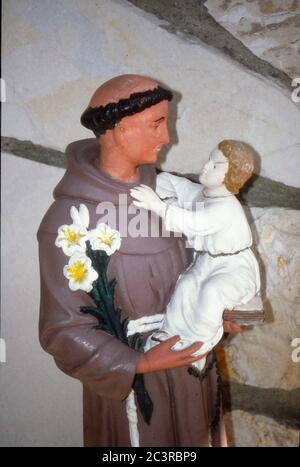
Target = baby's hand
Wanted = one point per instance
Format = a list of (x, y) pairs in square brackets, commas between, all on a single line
[(146, 198)]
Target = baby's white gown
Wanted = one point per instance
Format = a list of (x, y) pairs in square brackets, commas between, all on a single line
[(224, 272)]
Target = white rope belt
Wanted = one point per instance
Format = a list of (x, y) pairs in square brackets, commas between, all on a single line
[(144, 324)]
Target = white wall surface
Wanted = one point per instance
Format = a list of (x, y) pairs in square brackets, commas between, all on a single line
[(39, 405)]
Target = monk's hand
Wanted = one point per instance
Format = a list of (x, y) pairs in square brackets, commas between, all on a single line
[(232, 328), (145, 197), (162, 357)]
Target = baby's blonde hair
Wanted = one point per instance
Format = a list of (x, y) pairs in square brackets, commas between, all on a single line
[(241, 163)]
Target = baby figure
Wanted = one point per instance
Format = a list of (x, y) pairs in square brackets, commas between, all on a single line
[(224, 272)]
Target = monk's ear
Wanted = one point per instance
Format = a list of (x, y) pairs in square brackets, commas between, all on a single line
[(120, 133)]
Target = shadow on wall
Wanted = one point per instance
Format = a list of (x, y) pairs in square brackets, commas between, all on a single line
[(278, 404)]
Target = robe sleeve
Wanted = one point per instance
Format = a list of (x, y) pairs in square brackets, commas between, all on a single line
[(169, 185), (94, 357), (205, 220)]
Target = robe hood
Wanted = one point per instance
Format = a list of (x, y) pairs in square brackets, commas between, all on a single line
[(85, 182)]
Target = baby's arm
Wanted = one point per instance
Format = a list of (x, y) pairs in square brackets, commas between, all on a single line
[(169, 186), (205, 220)]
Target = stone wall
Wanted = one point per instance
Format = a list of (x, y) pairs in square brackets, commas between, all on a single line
[(261, 377), (269, 28)]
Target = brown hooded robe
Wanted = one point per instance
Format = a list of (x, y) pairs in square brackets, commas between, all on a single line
[(146, 270)]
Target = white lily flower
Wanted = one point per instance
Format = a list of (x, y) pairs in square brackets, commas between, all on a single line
[(71, 238), (80, 272), (105, 238)]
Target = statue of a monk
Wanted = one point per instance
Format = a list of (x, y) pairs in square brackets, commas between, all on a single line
[(128, 116)]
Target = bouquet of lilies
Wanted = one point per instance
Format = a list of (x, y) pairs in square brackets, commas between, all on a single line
[(89, 252)]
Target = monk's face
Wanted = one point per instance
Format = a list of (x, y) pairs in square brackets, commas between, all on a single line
[(142, 135)]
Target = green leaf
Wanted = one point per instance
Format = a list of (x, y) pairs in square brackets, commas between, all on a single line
[(143, 399), (112, 285)]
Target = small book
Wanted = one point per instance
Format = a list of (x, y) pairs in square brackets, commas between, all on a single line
[(250, 314)]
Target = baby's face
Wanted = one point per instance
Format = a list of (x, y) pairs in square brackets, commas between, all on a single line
[(214, 170)]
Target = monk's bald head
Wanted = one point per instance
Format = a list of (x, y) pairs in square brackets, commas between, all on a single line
[(120, 97), (120, 87)]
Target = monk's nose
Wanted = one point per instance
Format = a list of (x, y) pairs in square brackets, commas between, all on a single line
[(165, 138)]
